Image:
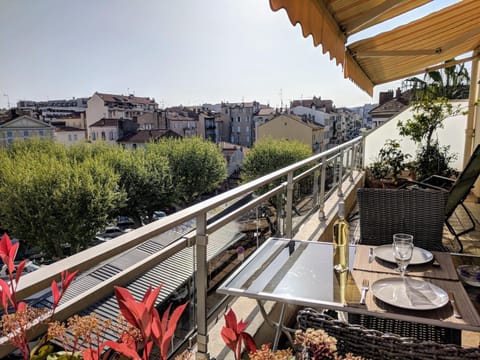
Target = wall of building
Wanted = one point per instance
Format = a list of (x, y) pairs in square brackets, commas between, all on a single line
[(284, 127), (453, 134)]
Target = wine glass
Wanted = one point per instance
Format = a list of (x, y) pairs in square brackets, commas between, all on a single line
[(402, 251)]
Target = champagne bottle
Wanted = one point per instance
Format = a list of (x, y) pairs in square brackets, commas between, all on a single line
[(340, 240)]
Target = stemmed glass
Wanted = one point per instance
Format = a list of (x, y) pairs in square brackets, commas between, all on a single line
[(402, 251)]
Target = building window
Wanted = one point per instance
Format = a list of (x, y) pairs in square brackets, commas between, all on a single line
[(111, 135), (94, 137), (238, 118), (75, 137), (103, 135), (25, 133), (42, 133), (69, 137), (238, 129), (134, 146), (9, 134)]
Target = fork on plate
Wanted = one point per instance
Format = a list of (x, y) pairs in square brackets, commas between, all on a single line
[(365, 286)]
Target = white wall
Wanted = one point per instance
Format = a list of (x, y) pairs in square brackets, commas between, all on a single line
[(452, 134)]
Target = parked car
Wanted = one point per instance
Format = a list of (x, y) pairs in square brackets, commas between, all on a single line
[(158, 215), (124, 222), (109, 232)]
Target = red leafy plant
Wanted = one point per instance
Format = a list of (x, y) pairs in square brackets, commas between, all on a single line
[(18, 317), (144, 327), (233, 334)]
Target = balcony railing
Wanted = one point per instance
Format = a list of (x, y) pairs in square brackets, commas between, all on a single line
[(310, 181)]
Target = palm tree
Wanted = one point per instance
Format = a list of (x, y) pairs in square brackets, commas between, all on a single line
[(451, 82)]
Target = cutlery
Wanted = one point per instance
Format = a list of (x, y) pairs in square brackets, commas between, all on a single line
[(456, 313), (370, 255), (365, 285)]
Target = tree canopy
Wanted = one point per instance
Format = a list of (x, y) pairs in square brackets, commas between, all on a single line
[(451, 82), (269, 155), (51, 200), (53, 196), (197, 166)]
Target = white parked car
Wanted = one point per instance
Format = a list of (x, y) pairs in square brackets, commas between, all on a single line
[(110, 232)]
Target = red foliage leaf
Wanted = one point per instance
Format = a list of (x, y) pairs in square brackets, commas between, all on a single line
[(6, 294), (124, 349), (5, 245), (89, 354), (12, 253), (125, 299), (67, 279), (157, 330), (164, 322), (123, 294), (20, 270), (231, 320), (55, 293), (147, 350), (150, 297), (249, 342), (229, 338), (22, 306), (172, 325), (241, 326)]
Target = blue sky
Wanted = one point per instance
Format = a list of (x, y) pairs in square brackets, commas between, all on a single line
[(179, 52)]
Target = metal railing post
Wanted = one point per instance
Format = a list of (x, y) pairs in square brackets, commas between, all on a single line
[(340, 175), (323, 177), (353, 161), (289, 206), (316, 176), (202, 271)]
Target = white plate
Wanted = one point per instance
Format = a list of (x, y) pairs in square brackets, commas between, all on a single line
[(409, 293), (419, 256)]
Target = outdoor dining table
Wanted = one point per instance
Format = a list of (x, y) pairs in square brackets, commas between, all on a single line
[(301, 273)]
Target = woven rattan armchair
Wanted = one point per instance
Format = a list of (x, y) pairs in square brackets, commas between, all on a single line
[(373, 344), (384, 212)]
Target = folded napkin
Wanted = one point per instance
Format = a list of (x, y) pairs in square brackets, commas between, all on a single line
[(420, 293)]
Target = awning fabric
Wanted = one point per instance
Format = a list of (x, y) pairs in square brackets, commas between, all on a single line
[(402, 52)]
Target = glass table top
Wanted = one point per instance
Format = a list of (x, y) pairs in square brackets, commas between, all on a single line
[(293, 271)]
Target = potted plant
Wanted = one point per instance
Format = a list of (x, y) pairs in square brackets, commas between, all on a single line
[(143, 328), (390, 164), (428, 117)]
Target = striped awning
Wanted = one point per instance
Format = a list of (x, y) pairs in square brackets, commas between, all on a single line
[(402, 52)]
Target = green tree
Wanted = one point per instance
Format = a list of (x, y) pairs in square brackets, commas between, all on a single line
[(146, 178), (50, 200), (451, 82), (197, 166), (269, 155), (428, 117)]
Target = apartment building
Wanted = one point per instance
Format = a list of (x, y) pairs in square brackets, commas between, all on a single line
[(23, 128), (69, 135), (389, 105), (111, 130), (293, 127), (51, 110), (240, 119), (110, 106), (182, 120)]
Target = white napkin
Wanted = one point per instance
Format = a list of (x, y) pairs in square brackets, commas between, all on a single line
[(420, 293)]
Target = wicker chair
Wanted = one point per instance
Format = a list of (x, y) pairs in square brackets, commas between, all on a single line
[(384, 212), (373, 344)]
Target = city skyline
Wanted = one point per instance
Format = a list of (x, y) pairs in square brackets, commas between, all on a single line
[(186, 53)]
